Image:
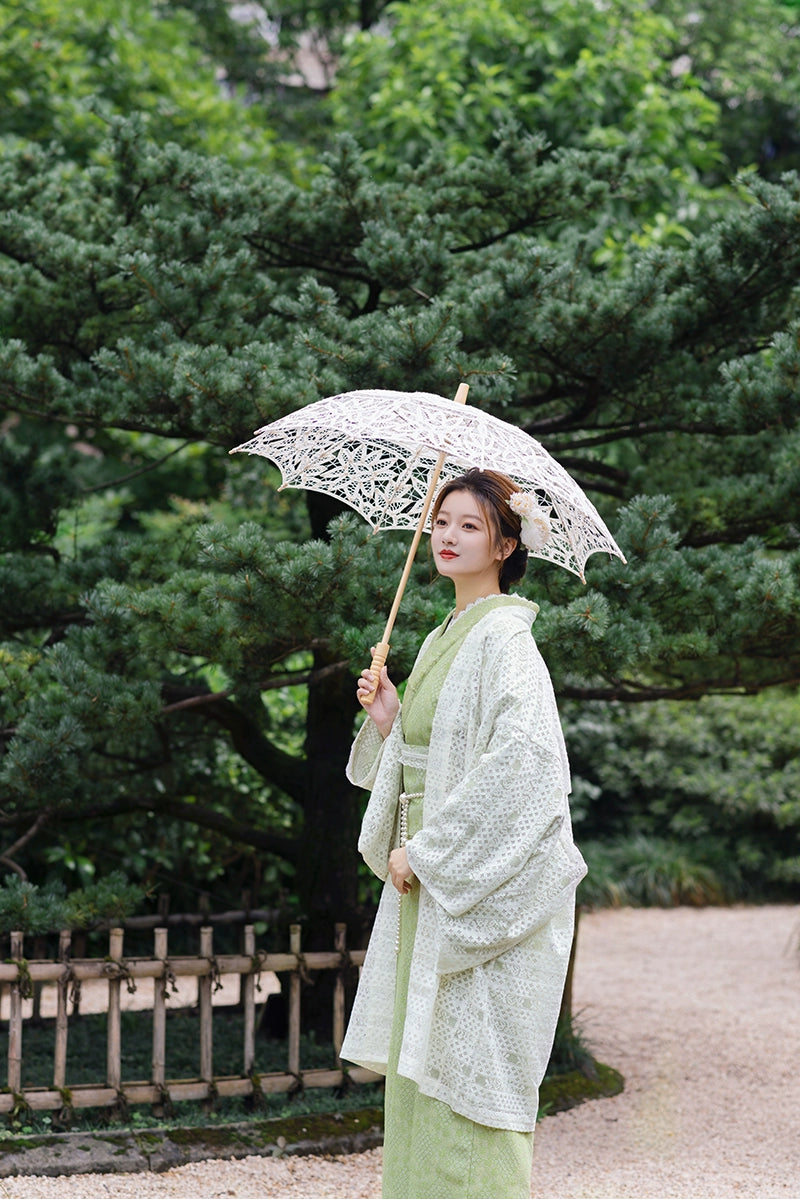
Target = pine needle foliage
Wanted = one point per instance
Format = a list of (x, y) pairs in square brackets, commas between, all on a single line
[(164, 607)]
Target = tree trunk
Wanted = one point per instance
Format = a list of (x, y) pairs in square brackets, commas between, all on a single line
[(327, 882), (566, 999), (327, 870)]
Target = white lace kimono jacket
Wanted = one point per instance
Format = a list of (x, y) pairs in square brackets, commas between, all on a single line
[(498, 870)]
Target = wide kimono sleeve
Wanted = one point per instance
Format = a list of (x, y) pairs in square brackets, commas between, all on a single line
[(375, 765), (366, 754), (497, 856)]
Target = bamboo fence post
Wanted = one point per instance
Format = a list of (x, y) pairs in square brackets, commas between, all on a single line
[(204, 987), (114, 1034), (79, 948), (160, 1017), (340, 944), (249, 1002), (15, 1021), (294, 1004), (40, 953), (62, 1018)]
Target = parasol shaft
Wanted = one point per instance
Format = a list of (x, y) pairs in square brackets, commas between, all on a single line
[(381, 651)]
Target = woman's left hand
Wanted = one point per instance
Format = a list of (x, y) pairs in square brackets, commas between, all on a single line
[(400, 871)]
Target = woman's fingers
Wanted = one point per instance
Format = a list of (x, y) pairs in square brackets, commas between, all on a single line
[(366, 682)]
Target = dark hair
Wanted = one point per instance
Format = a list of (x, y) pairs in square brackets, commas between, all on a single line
[(492, 491)]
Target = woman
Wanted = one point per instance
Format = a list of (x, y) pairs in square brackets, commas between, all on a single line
[(469, 825)]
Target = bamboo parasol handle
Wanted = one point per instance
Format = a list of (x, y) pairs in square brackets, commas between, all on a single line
[(382, 648)]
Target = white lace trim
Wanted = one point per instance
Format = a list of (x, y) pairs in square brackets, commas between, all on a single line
[(482, 599)]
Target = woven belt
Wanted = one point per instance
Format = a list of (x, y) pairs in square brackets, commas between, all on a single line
[(415, 756)]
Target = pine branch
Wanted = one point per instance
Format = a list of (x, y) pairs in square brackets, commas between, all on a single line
[(57, 622), (289, 678), (199, 814), (281, 768), (596, 476), (632, 693), (134, 474), (7, 857), (234, 830)]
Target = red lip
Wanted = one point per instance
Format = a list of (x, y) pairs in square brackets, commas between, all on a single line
[(447, 554)]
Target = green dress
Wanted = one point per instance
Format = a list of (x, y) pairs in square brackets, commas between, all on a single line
[(431, 1152)]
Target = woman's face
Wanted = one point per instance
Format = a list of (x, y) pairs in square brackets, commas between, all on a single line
[(461, 539)]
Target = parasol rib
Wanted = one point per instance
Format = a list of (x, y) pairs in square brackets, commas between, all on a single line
[(381, 651)]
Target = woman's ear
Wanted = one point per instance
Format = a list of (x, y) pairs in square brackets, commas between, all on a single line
[(507, 548)]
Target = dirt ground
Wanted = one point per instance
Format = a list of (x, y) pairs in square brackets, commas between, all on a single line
[(699, 1009)]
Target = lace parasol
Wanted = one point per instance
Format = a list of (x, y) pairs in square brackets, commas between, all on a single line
[(384, 453)]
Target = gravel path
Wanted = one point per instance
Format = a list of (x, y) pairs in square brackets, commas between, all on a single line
[(700, 1010)]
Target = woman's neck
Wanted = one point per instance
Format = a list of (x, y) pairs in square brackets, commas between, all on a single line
[(468, 591)]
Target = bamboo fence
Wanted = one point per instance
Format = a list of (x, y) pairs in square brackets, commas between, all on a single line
[(22, 977)]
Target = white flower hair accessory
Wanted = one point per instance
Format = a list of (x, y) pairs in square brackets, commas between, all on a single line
[(535, 522)]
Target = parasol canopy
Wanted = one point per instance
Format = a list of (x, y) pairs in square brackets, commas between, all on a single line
[(378, 452)]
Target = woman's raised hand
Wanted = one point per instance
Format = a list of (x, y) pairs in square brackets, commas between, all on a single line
[(386, 703)]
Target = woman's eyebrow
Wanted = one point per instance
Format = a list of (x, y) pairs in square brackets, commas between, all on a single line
[(464, 515)]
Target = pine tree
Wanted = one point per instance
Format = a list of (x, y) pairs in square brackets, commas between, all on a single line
[(159, 307)]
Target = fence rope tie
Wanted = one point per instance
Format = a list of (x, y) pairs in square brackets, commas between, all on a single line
[(302, 967), (70, 983), (23, 982), (165, 1101), (257, 1098), (21, 1110), (118, 968), (169, 980), (347, 1084), (67, 1110), (258, 962), (121, 1104), (297, 1087), (215, 972)]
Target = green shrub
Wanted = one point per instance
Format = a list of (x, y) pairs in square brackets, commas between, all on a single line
[(641, 871)]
